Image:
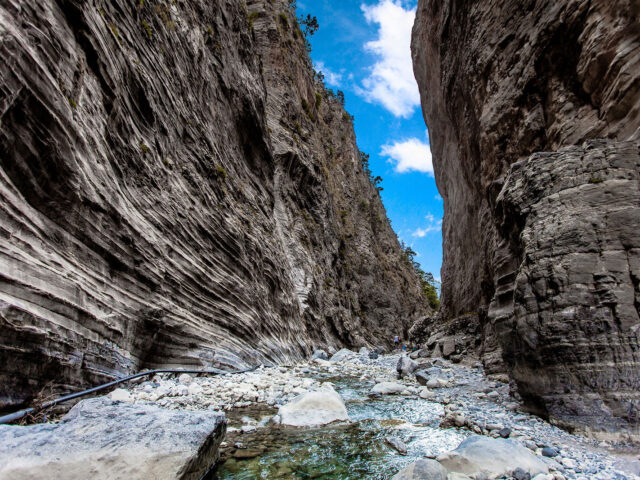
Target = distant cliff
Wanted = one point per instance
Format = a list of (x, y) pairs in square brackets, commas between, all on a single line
[(541, 230), (178, 188)]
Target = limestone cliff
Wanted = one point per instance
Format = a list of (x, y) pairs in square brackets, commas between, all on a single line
[(541, 250), (178, 188)]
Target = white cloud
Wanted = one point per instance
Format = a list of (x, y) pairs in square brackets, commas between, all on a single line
[(410, 155), (391, 81), (333, 79), (433, 225), (438, 197)]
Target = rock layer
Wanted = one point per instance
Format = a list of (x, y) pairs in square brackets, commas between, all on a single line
[(540, 248), (177, 188)]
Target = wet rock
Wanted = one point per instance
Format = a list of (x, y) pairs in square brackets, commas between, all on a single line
[(314, 409), (319, 354), (388, 388), (421, 470), (103, 439), (397, 445), (492, 457)]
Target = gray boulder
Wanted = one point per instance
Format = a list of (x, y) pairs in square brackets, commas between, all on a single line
[(373, 355), (321, 354), (422, 470), (422, 377), (492, 457), (341, 355), (103, 439), (406, 366)]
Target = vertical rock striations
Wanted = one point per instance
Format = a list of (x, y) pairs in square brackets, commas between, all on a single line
[(542, 248), (176, 188)]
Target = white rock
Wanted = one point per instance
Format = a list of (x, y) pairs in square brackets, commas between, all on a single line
[(387, 388), (185, 379), (121, 395), (426, 393), (313, 409), (569, 463), (492, 457), (194, 389)]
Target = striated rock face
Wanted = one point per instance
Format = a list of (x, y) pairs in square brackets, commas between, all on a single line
[(177, 189), (541, 248)]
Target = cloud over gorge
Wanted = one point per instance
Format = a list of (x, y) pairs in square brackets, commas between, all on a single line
[(391, 82), (409, 155)]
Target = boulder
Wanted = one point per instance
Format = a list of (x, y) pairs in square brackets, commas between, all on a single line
[(380, 350), (422, 470), (121, 395), (422, 377), (321, 354), (341, 355), (493, 457), (313, 409), (373, 355), (388, 388), (103, 439), (364, 351), (425, 393), (405, 366), (397, 444), (448, 347)]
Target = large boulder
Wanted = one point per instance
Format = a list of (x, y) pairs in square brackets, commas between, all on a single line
[(422, 470), (103, 439), (406, 366), (313, 409), (319, 354), (422, 377), (341, 355), (492, 457), (388, 388)]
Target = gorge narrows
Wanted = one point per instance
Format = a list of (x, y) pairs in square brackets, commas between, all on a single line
[(181, 189)]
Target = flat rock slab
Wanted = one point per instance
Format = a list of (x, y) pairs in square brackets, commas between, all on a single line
[(105, 439)]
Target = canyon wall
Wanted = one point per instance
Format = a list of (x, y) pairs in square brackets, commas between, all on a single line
[(177, 188), (533, 109)]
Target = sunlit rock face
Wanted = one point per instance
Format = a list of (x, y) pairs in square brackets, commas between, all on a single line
[(542, 247), (178, 190)]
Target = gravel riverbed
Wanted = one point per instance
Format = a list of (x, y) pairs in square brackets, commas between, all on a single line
[(459, 402)]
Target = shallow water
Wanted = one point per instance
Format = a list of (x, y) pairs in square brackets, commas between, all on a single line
[(339, 451)]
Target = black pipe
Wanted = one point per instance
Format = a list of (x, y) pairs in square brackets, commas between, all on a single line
[(12, 417)]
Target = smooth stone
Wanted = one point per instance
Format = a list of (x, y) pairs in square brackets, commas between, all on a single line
[(313, 409), (549, 452), (422, 470), (388, 388), (492, 457), (185, 379)]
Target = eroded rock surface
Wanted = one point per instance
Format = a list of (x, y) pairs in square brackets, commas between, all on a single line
[(176, 188), (105, 439), (540, 249)]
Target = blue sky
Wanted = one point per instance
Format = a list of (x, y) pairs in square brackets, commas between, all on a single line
[(362, 47)]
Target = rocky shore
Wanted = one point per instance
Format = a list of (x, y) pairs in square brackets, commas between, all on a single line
[(414, 416)]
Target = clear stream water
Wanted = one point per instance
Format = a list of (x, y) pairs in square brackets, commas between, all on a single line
[(339, 451)]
